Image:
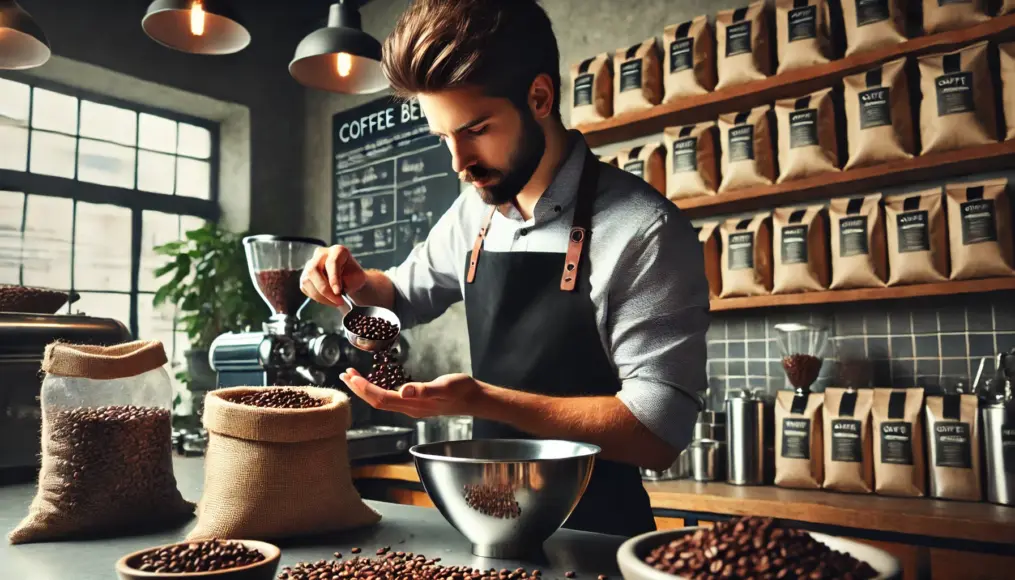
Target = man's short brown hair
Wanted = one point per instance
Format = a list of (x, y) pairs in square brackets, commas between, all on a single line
[(499, 45)]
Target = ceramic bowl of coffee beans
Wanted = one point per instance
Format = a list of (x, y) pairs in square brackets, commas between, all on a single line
[(752, 547), (213, 559)]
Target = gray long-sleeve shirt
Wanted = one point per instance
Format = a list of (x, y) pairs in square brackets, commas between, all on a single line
[(647, 279)]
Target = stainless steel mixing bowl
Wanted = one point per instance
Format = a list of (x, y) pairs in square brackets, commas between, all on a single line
[(506, 496)]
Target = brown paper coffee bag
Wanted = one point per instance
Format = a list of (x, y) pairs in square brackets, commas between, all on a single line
[(609, 159), (592, 90), (746, 256), (647, 162), (979, 229), (799, 461), (1008, 86), (958, 100), (637, 82), (873, 24), (708, 235), (692, 161), (879, 122), (808, 143), (917, 238), (748, 153), (745, 45), (858, 243), (899, 467), (688, 59), (953, 447), (849, 464), (800, 248), (803, 29), (945, 15)]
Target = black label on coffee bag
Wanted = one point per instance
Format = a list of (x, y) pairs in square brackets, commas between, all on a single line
[(846, 441), (913, 233), (796, 438), (630, 75), (741, 251), (685, 155), (1008, 448), (738, 38), (897, 442), (803, 128), (952, 447), (681, 54), (583, 90), (636, 167), (874, 109), (871, 11), (955, 94), (803, 23), (978, 222), (794, 245), (741, 143), (853, 236)]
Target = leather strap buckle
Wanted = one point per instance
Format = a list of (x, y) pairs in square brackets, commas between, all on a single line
[(575, 242)]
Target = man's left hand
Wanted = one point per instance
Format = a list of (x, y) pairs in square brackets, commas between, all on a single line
[(446, 395)]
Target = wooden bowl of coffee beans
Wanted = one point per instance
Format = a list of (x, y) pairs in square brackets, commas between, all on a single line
[(213, 559)]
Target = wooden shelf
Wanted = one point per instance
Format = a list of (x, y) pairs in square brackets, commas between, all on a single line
[(790, 84), (863, 294)]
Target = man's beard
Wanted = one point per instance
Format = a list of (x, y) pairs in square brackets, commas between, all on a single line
[(523, 163)]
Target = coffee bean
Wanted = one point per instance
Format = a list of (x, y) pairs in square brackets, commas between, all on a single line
[(278, 398), (569, 574), (355, 550), (281, 289), (371, 327), (493, 500), (801, 369), (400, 566), (387, 373), (204, 556), (30, 300)]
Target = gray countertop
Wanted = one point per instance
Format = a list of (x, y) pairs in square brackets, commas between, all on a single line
[(404, 528)]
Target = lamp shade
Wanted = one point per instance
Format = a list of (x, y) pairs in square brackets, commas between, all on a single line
[(195, 26), (340, 58), (22, 43)]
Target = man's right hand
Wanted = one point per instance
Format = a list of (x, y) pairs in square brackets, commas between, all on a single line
[(330, 273)]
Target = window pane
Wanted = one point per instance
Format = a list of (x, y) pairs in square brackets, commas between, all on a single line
[(48, 225), (105, 163), (156, 229), (54, 111), (155, 323), (195, 141), (14, 101), (155, 172), (108, 123), (12, 205), (13, 146), (193, 178), (102, 247), (52, 154), (189, 223), (157, 133), (104, 305)]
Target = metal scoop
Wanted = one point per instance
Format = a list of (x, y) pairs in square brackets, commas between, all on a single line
[(362, 343)]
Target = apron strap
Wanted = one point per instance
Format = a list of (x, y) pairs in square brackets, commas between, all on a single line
[(581, 226), (477, 246)]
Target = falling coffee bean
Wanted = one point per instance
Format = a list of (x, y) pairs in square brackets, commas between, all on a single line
[(387, 372)]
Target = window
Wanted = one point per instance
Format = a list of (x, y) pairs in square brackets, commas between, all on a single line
[(89, 186)]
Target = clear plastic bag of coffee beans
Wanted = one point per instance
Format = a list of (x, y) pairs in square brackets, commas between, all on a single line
[(107, 463)]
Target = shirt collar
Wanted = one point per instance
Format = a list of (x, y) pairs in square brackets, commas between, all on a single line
[(563, 188)]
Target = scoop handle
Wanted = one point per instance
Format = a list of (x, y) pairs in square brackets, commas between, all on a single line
[(349, 305)]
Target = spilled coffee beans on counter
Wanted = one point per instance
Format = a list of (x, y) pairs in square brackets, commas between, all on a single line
[(281, 288), (493, 500), (387, 372), (401, 566), (371, 327), (205, 556), (755, 548), (279, 399), (801, 369)]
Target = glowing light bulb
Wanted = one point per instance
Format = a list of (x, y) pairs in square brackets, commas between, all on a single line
[(343, 63), (197, 18)]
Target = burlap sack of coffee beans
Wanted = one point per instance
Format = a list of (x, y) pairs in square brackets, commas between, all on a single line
[(688, 59), (1007, 51), (107, 461), (849, 451), (873, 24), (804, 32), (708, 235), (748, 149), (799, 446), (958, 108), (858, 242), (953, 447), (917, 238), (800, 248), (899, 465), (979, 229), (647, 162), (879, 119), (692, 160), (637, 78), (592, 90), (945, 15), (744, 45), (808, 143), (275, 472), (746, 256)]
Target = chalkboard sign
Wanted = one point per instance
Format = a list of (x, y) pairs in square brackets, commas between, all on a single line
[(393, 181)]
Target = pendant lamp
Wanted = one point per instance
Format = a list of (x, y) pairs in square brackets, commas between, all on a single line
[(195, 26), (340, 58), (22, 42)]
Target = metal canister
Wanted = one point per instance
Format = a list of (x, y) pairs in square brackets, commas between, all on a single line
[(999, 443), (746, 440), (708, 460)]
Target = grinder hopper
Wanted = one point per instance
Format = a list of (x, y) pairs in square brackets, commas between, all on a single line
[(275, 264)]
